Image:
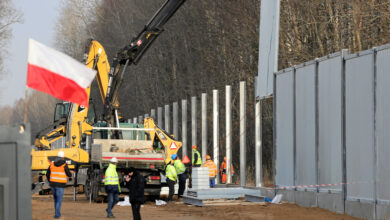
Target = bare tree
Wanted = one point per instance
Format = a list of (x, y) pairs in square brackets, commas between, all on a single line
[(8, 16)]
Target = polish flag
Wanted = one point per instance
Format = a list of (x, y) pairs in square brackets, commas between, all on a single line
[(57, 74)]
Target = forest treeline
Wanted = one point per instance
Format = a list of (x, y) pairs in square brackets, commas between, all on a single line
[(206, 45)]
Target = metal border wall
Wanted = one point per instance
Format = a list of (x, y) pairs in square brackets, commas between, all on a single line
[(15, 174), (332, 131), (284, 126), (383, 124), (330, 75), (359, 125), (305, 117)]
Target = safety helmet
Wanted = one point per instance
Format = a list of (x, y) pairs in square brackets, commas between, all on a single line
[(174, 156), (168, 161), (61, 154), (114, 160), (194, 147), (208, 157)]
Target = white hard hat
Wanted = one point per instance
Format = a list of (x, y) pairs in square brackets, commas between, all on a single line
[(114, 160), (61, 154)]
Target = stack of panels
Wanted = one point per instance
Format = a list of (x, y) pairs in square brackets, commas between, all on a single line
[(165, 190), (221, 193), (200, 178)]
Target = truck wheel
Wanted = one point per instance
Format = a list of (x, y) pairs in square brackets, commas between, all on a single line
[(91, 187), (95, 188), (87, 188)]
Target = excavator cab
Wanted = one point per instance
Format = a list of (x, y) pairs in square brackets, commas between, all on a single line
[(61, 111)]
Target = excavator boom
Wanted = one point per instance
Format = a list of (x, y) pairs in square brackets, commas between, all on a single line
[(133, 52)]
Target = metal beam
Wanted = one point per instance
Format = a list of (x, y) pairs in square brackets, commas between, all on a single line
[(216, 131), (175, 120), (193, 120), (153, 113), (268, 46), (204, 126), (184, 126), (258, 141), (159, 117), (242, 133), (228, 134), (167, 119)]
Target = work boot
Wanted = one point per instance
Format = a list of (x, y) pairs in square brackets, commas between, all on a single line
[(110, 216)]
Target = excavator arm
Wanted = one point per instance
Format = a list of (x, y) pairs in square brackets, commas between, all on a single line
[(133, 52), (73, 119), (80, 118)]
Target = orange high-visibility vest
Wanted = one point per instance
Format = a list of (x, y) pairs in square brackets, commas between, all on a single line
[(212, 168), (223, 168), (57, 174)]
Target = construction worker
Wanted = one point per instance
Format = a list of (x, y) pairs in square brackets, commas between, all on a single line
[(181, 174), (135, 182), (212, 170), (196, 158), (57, 174), (170, 173), (111, 185), (222, 170)]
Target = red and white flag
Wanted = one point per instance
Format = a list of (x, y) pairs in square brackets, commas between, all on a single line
[(57, 74)]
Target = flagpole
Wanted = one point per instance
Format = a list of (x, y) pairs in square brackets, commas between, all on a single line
[(25, 106)]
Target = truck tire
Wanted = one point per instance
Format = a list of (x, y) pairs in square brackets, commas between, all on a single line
[(92, 185)]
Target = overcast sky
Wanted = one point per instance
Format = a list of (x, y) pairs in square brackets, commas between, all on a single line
[(39, 23)]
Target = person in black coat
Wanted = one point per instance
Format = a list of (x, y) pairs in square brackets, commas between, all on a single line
[(135, 182)]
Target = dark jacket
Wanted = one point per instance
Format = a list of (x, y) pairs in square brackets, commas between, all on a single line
[(136, 187), (58, 162)]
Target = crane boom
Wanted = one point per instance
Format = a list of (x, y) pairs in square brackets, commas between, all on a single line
[(133, 52)]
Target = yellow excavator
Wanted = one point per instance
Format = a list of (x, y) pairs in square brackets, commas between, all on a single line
[(72, 122), (89, 144)]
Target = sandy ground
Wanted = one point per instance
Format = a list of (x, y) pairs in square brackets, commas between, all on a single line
[(43, 208)]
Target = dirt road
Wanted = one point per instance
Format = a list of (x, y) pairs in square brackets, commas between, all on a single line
[(42, 208)]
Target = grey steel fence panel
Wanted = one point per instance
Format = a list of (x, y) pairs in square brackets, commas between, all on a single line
[(305, 125), (330, 121), (15, 174), (383, 124), (284, 158), (359, 136)]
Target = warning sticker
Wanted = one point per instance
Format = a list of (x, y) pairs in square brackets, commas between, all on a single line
[(173, 146)]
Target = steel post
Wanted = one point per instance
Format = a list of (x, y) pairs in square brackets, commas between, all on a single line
[(167, 119), (175, 120), (242, 133), (184, 126), (228, 134), (258, 142), (153, 113), (216, 131), (204, 126), (193, 120), (159, 117)]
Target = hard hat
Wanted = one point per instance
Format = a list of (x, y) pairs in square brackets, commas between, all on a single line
[(61, 154), (186, 159), (208, 157), (114, 160), (168, 161), (174, 156), (194, 147)]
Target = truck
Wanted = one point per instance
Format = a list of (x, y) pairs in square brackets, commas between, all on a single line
[(89, 144)]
